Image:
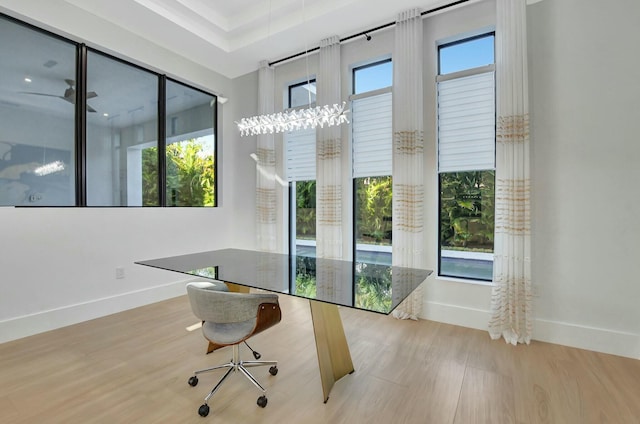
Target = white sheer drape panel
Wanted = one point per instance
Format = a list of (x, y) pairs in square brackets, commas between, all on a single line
[(511, 295), (408, 153), (266, 166), (329, 156)]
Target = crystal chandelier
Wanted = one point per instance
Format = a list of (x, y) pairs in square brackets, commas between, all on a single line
[(292, 120), (49, 168)]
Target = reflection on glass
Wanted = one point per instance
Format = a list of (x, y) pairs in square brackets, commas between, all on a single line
[(37, 98), (305, 213), (373, 287), (208, 272), (190, 150), (305, 277), (122, 121), (373, 284)]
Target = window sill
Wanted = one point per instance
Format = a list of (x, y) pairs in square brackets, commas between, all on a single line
[(464, 280)]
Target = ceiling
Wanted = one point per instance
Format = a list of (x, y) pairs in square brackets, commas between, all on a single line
[(232, 37)]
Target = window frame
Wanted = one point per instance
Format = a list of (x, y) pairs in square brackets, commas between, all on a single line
[(445, 77), (357, 96), (80, 121), (292, 189)]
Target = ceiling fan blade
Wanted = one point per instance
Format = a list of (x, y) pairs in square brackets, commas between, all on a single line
[(69, 93), (91, 94), (70, 82), (90, 109), (40, 94)]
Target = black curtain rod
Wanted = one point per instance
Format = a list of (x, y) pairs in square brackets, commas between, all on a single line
[(367, 32)]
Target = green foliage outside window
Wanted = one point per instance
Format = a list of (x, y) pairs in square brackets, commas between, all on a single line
[(150, 177), (373, 283), (190, 175), (373, 210), (306, 210), (467, 210), (373, 287)]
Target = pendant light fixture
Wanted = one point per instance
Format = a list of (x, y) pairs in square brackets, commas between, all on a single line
[(295, 119)]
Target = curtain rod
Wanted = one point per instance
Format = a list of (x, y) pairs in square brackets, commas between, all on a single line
[(367, 32)]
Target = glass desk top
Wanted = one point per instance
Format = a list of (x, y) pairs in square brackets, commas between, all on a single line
[(362, 285)]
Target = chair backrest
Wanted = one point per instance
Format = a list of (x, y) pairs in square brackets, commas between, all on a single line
[(211, 303)]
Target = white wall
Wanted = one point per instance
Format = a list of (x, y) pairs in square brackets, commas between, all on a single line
[(585, 98), (57, 265)]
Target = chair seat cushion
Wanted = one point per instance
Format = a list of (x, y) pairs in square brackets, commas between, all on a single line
[(227, 333)]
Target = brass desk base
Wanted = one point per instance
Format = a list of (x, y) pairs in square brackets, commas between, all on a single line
[(334, 357)]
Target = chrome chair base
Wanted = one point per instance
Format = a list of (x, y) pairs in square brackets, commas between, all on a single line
[(234, 365)]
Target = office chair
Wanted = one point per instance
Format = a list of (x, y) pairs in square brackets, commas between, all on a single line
[(229, 319)]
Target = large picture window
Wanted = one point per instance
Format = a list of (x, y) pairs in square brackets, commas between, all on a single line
[(82, 128), (371, 138), (190, 146), (123, 119), (301, 173), (466, 158), (371, 154)]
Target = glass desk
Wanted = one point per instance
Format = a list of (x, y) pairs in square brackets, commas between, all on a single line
[(327, 283)]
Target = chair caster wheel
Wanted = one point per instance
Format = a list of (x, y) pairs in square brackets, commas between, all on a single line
[(193, 381), (203, 411), (262, 401), (273, 370)]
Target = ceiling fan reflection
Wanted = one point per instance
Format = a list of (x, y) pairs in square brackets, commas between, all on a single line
[(69, 94)]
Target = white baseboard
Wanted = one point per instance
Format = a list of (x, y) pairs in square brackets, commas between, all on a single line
[(27, 325), (590, 338), (579, 336), (596, 339)]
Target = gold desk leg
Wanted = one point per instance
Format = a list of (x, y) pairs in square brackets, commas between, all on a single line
[(334, 357), (237, 288), (232, 288)]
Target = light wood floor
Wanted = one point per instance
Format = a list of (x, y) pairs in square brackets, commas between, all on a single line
[(133, 367)]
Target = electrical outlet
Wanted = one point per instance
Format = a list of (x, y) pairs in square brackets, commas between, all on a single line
[(119, 273)]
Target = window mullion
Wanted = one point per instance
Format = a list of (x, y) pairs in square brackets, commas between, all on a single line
[(81, 125), (162, 141)]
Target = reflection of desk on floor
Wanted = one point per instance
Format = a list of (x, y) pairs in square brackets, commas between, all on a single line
[(326, 283)]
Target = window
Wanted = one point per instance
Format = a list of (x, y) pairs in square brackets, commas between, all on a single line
[(372, 151), (302, 94), (190, 146), (37, 128), (466, 157), (373, 76), (108, 134), (123, 119), (301, 174)]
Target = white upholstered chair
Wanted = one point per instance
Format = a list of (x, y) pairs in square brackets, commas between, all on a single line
[(228, 319)]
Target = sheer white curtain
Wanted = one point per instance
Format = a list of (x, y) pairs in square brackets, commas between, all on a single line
[(408, 148), (328, 171), (329, 156), (511, 295), (266, 166)]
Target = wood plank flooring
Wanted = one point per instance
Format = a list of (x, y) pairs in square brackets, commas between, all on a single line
[(133, 367)]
